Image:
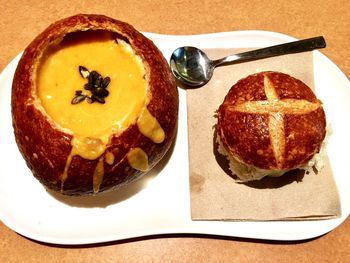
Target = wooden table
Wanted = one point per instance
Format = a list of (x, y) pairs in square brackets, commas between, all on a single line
[(21, 21)]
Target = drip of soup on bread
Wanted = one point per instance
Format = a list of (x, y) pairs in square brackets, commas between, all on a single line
[(59, 80)]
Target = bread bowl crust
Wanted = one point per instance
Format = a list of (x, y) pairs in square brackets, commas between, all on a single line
[(45, 147), (246, 136)]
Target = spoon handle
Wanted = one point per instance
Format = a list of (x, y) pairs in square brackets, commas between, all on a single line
[(282, 49)]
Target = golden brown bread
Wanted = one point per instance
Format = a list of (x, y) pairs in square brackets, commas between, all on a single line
[(46, 147), (271, 121)]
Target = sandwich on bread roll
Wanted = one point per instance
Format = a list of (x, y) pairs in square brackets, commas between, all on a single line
[(94, 105), (269, 123)]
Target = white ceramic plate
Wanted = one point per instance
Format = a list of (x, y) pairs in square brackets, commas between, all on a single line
[(160, 202)]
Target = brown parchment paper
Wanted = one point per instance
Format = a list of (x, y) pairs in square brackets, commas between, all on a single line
[(215, 194)]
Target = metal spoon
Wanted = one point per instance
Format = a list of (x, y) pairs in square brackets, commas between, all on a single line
[(192, 67)]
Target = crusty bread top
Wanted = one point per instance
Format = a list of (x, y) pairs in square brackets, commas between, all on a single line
[(272, 121)]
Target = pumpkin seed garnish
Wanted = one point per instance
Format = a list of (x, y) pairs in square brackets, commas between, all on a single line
[(89, 100), (77, 99), (97, 85), (98, 99), (84, 72), (106, 82)]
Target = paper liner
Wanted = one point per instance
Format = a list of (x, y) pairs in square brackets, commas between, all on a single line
[(215, 194)]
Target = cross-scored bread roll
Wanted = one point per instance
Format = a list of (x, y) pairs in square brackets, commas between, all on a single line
[(268, 124)]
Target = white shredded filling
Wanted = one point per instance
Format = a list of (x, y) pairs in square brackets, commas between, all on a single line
[(317, 160), (246, 172)]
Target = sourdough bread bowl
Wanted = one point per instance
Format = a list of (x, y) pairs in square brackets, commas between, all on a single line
[(94, 105), (270, 123)]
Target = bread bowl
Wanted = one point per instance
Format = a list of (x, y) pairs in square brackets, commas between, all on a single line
[(75, 140), (269, 123)]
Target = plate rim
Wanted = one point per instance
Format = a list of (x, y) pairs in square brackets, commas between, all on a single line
[(195, 227)]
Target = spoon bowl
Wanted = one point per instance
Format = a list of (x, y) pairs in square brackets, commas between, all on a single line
[(192, 67)]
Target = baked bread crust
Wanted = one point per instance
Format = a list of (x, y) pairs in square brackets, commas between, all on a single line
[(272, 121), (45, 147)]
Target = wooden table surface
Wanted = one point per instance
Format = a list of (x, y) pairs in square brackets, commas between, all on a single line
[(21, 21)]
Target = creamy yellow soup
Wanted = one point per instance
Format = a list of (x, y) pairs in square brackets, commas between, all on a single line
[(59, 78), (92, 123)]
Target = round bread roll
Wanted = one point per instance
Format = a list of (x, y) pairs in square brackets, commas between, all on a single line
[(94, 105), (268, 124)]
